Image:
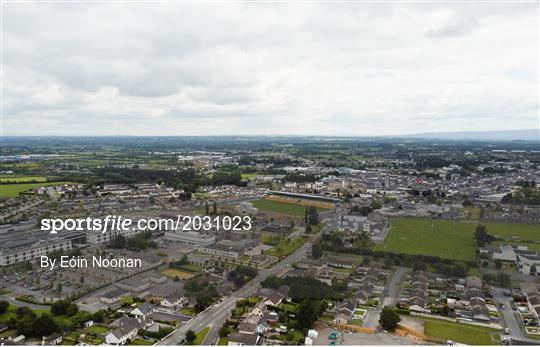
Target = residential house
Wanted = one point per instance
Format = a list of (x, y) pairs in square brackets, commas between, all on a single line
[(127, 330)]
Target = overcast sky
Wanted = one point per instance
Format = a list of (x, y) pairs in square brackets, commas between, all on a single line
[(287, 68)]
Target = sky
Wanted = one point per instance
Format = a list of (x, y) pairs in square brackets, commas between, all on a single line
[(245, 68)]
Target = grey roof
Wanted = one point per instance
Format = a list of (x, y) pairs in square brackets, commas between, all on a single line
[(246, 339)]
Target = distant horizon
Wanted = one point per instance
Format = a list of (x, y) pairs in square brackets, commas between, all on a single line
[(424, 135), (315, 69)]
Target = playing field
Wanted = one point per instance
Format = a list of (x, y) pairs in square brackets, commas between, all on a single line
[(463, 333), (445, 239), (12, 190), (524, 232), (282, 207)]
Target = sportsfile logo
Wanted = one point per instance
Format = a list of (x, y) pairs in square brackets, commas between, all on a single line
[(119, 223)]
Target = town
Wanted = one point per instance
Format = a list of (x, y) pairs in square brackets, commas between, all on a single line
[(351, 241)]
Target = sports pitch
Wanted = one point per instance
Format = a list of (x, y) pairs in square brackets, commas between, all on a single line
[(445, 239)]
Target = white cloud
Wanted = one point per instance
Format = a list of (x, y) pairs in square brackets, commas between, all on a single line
[(261, 68)]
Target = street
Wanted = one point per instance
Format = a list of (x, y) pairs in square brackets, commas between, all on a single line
[(510, 319), (216, 314)]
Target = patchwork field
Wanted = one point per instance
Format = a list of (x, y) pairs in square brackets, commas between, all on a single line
[(445, 239), (463, 333), (282, 207)]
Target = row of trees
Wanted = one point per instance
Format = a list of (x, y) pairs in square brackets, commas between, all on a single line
[(138, 242)]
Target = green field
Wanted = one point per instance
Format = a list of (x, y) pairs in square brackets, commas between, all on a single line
[(248, 176), (282, 207), (21, 179), (12, 190), (463, 333), (445, 239), (524, 232), (285, 247)]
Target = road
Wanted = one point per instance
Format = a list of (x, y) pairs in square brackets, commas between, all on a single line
[(390, 298), (217, 314), (510, 319)]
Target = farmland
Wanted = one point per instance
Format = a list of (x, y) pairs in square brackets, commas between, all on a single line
[(22, 179), (452, 240), (281, 207)]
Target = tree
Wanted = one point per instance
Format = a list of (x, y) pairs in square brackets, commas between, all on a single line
[(481, 236), (366, 260), (72, 310), (312, 215), (215, 207), (119, 242), (98, 316), (45, 325), (389, 319), (224, 331), (316, 251), (3, 306), (460, 269), (308, 312), (190, 337), (445, 310), (498, 264), (419, 265), (206, 208)]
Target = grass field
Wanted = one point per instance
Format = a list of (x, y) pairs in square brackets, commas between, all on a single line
[(445, 239), (12, 190), (172, 273), (463, 333), (248, 176), (285, 247), (524, 232), (282, 207), (21, 179)]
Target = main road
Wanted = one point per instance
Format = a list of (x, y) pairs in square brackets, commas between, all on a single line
[(216, 314)]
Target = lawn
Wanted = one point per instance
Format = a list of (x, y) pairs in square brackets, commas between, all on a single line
[(97, 329), (223, 341), (141, 342), (21, 179), (201, 336), (445, 239), (285, 247), (12, 190), (463, 333), (282, 207)]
